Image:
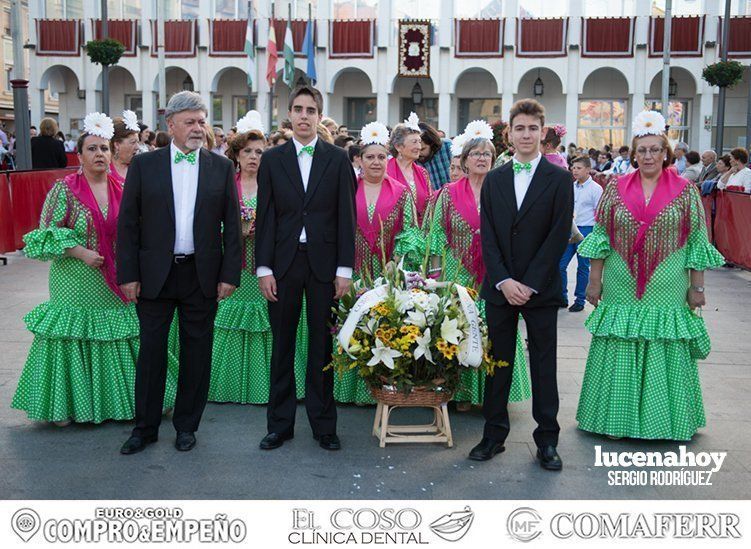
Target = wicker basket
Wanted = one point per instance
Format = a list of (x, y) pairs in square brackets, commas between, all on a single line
[(419, 396)]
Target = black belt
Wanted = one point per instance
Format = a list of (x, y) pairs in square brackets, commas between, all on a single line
[(182, 258)]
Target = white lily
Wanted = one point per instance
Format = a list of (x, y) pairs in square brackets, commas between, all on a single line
[(463, 354), (404, 301), (383, 354), (450, 330), (370, 326), (423, 347), (416, 318)]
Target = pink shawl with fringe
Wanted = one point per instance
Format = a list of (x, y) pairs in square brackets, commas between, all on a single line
[(422, 186), (106, 229)]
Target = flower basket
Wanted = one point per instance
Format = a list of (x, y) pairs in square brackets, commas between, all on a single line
[(418, 396), (105, 52), (406, 334), (724, 74)]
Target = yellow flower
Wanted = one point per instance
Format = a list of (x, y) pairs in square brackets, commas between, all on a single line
[(472, 293)]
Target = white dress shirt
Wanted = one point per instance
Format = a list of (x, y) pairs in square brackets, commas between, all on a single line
[(522, 180), (586, 197), (305, 162), (184, 189)]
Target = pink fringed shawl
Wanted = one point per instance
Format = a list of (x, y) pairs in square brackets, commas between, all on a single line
[(462, 201), (388, 215), (106, 229), (645, 234), (422, 186)]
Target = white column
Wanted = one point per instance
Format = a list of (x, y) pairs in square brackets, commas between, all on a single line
[(36, 94), (445, 25), (147, 98), (382, 84), (572, 77), (510, 12), (384, 26)]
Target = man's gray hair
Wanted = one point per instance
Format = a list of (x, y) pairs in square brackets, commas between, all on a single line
[(683, 146), (185, 101), (713, 153)]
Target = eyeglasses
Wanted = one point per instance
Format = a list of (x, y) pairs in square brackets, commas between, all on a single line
[(478, 154), (653, 151)]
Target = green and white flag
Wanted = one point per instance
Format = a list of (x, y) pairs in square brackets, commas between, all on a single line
[(250, 51), (288, 75)]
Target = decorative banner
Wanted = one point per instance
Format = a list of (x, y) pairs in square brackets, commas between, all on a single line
[(414, 48)]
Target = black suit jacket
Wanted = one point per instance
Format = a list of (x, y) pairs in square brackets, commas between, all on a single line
[(527, 244), (47, 152), (326, 210), (146, 225)]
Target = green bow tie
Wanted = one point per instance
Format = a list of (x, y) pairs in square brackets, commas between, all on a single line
[(190, 157), (307, 149), (519, 166)]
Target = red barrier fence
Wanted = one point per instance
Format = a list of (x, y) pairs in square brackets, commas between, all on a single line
[(7, 235), (72, 159), (732, 227), (27, 192), (22, 197)]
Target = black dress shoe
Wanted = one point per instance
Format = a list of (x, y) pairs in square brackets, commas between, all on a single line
[(185, 441), (274, 440), (575, 308), (563, 306), (328, 442), (135, 444), (549, 458), (486, 449)]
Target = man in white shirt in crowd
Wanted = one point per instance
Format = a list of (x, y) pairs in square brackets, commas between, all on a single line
[(622, 163), (587, 195)]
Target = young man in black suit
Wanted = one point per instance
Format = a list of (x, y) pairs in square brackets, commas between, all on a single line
[(173, 254), (526, 213), (305, 243)]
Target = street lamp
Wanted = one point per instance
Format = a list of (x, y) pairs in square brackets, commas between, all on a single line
[(672, 88), (417, 94), (538, 87)]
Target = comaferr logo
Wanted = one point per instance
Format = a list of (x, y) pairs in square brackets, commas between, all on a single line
[(454, 526)]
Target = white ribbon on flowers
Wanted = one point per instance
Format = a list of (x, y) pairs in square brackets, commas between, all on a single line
[(367, 301), (472, 354), (474, 350)]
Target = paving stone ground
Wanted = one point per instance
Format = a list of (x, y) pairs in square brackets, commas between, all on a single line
[(41, 461)]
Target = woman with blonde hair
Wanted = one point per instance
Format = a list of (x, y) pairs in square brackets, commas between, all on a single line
[(47, 152)]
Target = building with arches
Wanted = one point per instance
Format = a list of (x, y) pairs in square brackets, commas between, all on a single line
[(484, 55)]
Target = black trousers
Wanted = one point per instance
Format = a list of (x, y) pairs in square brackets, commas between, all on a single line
[(195, 314), (542, 331), (285, 316)]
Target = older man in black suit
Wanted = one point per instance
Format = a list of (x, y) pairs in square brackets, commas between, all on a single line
[(178, 247)]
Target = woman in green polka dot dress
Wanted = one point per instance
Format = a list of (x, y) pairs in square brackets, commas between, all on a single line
[(386, 228), (453, 233), (649, 249), (241, 355), (81, 366)]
